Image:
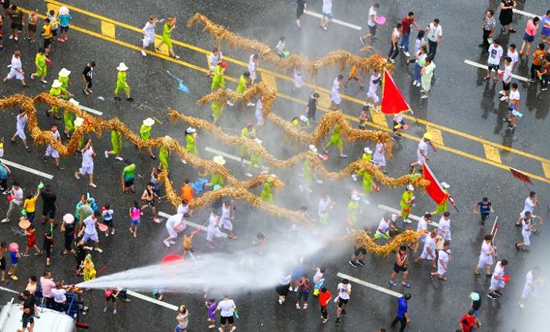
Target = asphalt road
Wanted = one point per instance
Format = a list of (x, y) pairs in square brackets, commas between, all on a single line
[(459, 100)]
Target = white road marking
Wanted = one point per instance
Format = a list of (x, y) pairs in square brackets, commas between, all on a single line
[(369, 285), (27, 169), (230, 156), (335, 21), (396, 211), (190, 223), (521, 12), (152, 300), (90, 110), (478, 65)]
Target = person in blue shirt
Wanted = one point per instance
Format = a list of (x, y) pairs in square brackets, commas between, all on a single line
[(485, 208), (402, 312), (64, 22)]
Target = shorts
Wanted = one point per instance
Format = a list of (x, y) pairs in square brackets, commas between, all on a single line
[(373, 96), (150, 203), (135, 222), (48, 252), (299, 12), (111, 298), (50, 152), (148, 40), (484, 216), (425, 255), (49, 212), (528, 38), (227, 224), (14, 73), (88, 82), (27, 319), (88, 236), (496, 284), (129, 182), (303, 295), (397, 268), (180, 329), (505, 86), (3, 264), (526, 238), (485, 261), (21, 134), (372, 29), (31, 28), (63, 29), (87, 170), (31, 243), (282, 290), (398, 125), (342, 302), (328, 16), (108, 223), (47, 42), (172, 233), (54, 32), (440, 270), (224, 320), (360, 251), (492, 67), (16, 26)]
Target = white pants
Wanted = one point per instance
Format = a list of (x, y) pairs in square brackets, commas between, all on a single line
[(529, 290), (21, 134), (373, 96), (227, 224), (496, 284), (50, 152), (526, 238), (484, 260), (87, 170), (14, 73), (148, 40), (213, 231)]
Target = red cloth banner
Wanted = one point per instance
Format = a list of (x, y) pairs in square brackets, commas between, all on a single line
[(434, 189), (393, 101)]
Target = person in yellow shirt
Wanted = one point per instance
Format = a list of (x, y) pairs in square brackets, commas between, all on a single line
[(29, 205), (47, 34)]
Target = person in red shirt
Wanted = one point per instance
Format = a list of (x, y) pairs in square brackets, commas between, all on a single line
[(187, 191), (406, 24), (468, 322), (324, 298)]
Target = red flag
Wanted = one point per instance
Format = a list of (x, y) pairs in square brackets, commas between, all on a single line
[(434, 189), (393, 101), (520, 176)]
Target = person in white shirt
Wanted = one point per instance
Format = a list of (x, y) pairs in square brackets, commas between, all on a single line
[(325, 205), (527, 227), (259, 113), (50, 151), (253, 64), (493, 61), (281, 47), (59, 296), (174, 225), (21, 122), (214, 59), (16, 69), (423, 226), (513, 107), (486, 256), (513, 54), (497, 280), (395, 36), (422, 151), (89, 230), (87, 163), (213, 230), (16, 203), (384, 227), (227, 309), (444, 255), (371, 23), (148, 32), (335, 99), (428, 251), (327, 14), (227, 218), (183, 208), (533, 279), (444, 228), (344, 293), (531, 202), (375, 79), (506, 78), (435, 33)]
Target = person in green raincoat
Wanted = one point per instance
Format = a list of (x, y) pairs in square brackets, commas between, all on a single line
[(353, 211), (217, 111), (145, 134), (216, 178), (218, 80), (191, 140), (244, 83), (248, 132), (267, 194), (41, 67), (336, 139), (169, 25), (57, 91), (307, 171), (367, 156), (444, 206), (407, 201), (368, 185), (254, 160), (78, 122), (64, 79), (300, 122), (164, 154), (68, 119), (116, 145), (121, 83)]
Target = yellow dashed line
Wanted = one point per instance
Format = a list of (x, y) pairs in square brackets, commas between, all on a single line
[(378, 118), (324, 100), (270, 81), (163, 49), (437, 136), (50, 6), (108, 29), (492, 153), (546, 169)]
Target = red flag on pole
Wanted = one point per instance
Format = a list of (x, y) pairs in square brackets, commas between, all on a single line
[(520, 176), (393, 101), (434, 189)]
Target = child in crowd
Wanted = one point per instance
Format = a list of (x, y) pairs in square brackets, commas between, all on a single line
[(48, 247), (135, 215), (31, 241), (485, 208), (107, 216)]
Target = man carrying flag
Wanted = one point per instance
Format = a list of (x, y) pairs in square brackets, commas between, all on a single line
[(422, 152)]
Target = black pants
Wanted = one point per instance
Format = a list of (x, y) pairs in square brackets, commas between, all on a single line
[(394, 51), (534, 69), (544, 81), (324, 312), (69, 242), (433, 48), (403, 322), (485, 37)]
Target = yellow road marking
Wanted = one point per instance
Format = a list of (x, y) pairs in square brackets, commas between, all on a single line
[(108, 29), (492, 153), (324, 100), (270, 81), (50, 6), (163, 49), (322, 108), (437, 136), (378, 118), (313, 86), (546, 169)]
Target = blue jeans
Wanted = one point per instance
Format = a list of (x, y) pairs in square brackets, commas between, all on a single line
[(405, 41), (417, 69)]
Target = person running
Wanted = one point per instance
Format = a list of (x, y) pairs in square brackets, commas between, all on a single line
[(485, 208), (497, 280), (121, 83), (506, 15), (336, 139), (167, 29), (227, 309), (87, 76), (327, 14), (16, 69), (371, 23), (395, 36), (344, 293), (495, 56), (300, 10), (41, 66), (527, 227), (402, 312), (324, 299), (400, 265), (533, 279), (443, 257), (174, 225), (435, 34), (148, 200), (87, 163), (427, 74), (422, 151), (148, 32), (90, 232), (406, 23), (529, 35), (488, 27), (374, 82), (486, 256), (337, 85), (21, 122)]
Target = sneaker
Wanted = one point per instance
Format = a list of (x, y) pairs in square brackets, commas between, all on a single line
[(250, 104), (344, 312), (16, 39), (343, 156), (424, 97), (176, 56), (515, 244), (503, 98), (143, 53), (5, 220), (107, 154), (24, 255), (491, 296), (127, 300), (392, 60), (418, 84), (248, 174), (11, 37), (406, 285), (298, 306), (93, 185), (119, 158), (171, 242), (337, 321), (521, 305), (130, 99), (352, 263), (414, 82), (77, 176), (113, 232), (105, 309), (392, 284), (117, 98), (280, 301), (106, 234), (360, 262), (230, 104), (498, 293), (114, 312), (166, 243), (502, 92), (407, 54), (98, 250)]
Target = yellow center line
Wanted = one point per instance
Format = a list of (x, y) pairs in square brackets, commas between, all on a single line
[(290, 79), (321, 108)]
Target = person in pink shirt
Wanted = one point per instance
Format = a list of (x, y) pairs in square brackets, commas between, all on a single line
[(529, 35), (47, 284)]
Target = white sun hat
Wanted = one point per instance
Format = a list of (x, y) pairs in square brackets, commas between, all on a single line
[(78, 122), (367, 150), (303, 118), (63, 10), (148, 122), (219, 160), (445, 185), (64, 72), (312, 148), (122, 67), (56, 84), (74, 102), (410, 187), (190, 130)]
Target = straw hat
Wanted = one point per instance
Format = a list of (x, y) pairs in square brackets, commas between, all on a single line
[(24, 223), (428, 136), (367, 150), (445, 185), (259, 141), (410, 187), (78, 122), (219, 160), (148, 122), (312, 148), (56, 84), (122, 67), (63, 10), (74, 102), (64, 73), (190, 130), (68, 218)]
